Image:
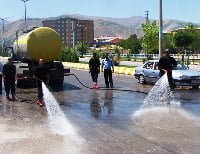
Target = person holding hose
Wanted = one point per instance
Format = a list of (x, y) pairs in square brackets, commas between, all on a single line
[(94, 65), (9, 74), (165, 65), (41, 74)]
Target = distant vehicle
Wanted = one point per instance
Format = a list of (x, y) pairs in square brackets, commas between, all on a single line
[(182, 76)]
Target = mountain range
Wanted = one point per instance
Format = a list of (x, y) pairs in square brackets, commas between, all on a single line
[(103, 26)]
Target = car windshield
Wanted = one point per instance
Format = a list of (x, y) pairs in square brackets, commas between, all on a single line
[(180, 66)]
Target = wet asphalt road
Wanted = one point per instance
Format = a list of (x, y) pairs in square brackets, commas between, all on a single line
[(104, 121)]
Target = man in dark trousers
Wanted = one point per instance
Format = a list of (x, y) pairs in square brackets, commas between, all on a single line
[(165, 65), (94, 65), (41, 74), (9, 73), (1, 69), (106, 67)]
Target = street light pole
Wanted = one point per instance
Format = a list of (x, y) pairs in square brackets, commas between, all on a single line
[(160, 28), (3, 41), (25, 12), (3, 32)]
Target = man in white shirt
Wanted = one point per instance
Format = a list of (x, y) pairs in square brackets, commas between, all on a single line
[(106, 67)]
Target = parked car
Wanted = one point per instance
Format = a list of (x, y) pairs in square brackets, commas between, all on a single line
[(182, 76)]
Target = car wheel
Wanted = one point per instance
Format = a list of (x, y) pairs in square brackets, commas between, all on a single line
[(195, 87), (141, 79)]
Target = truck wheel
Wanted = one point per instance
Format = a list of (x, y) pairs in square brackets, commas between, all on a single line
[(60, 83), (195, 87), (20, 84), (142, 79)]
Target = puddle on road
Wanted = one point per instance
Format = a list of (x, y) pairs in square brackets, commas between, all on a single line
[(161, 119), (155, 126)]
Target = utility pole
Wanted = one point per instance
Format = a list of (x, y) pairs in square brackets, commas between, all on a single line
[(82, 40), (147, 15), (3, 32), (3, 39), (147, 20), (25, 12), (160, 28)]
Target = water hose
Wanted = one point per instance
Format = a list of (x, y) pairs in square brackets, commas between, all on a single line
[(20, 99), (103, 88)]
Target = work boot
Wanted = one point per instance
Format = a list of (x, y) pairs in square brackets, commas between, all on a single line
[(13, 98), (96, 86), (8, 98), (111, 85), (40, 102)]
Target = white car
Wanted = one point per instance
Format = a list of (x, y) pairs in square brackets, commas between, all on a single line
[(182, 76)]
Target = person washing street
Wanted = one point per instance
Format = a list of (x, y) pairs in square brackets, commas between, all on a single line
[(106, 67), (94, 65), (41, 74), (165, 65), (9, 74)]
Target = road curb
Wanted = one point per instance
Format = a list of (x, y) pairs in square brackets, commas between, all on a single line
[(117, 69)]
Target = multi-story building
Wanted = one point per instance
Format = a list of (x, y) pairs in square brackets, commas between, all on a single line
[(72, 30)]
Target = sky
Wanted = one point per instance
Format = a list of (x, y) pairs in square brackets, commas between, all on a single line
[(183, 10)]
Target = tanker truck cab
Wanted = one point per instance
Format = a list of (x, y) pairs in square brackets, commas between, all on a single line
[(42, 42)]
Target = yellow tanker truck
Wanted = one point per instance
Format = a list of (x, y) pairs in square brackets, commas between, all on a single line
[(42, 42)]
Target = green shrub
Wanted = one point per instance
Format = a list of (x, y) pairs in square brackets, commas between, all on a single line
[(68, 55), (128, 58), (5, 54)]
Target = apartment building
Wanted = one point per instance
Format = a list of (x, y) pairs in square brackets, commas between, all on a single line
[(72, 30)]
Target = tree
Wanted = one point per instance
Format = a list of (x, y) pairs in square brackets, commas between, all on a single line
[(117, 51), (192, 30), (132, 43), (123, 44), (168, 43), (82, 48), (183, 40), (69, 55), (150, 38)]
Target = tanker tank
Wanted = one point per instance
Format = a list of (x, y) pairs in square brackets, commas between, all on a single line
[(42, 42)]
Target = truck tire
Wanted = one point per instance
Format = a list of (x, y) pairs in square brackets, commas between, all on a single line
[(195, 87), (26, 83)]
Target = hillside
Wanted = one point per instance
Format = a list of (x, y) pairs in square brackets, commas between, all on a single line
[(103, 26)]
